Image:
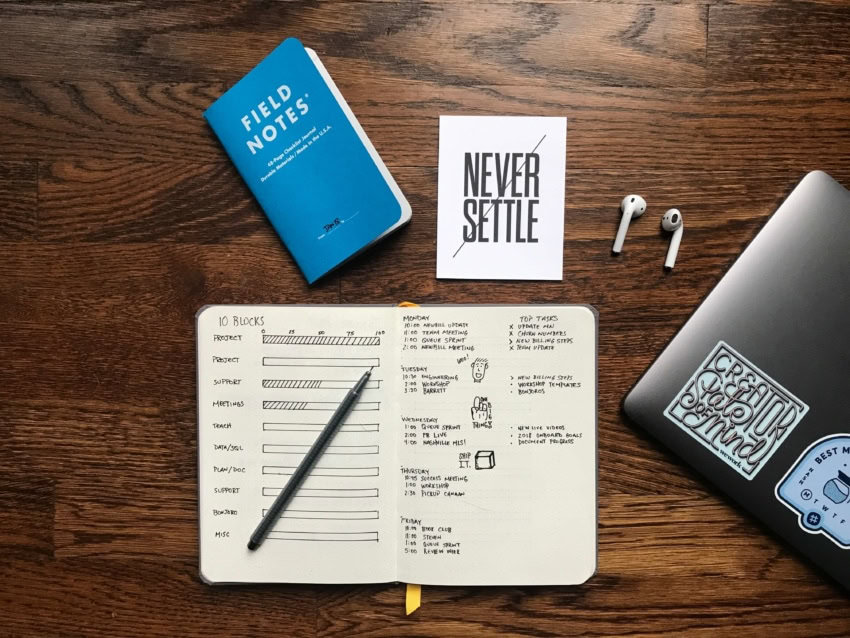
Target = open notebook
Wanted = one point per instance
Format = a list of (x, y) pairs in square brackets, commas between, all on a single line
[(470, 459)]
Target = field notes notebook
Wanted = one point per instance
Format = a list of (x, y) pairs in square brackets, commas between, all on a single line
[(303, 154), (470, 459)]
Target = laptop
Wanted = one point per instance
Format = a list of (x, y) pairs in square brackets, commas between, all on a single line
[(754, 390)]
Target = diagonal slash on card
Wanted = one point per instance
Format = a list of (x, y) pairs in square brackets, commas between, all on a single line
[(496, 201)]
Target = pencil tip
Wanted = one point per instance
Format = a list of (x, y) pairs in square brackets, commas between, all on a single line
[(252, 545)]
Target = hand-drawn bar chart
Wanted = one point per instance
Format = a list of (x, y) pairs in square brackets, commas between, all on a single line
[(303, 381)]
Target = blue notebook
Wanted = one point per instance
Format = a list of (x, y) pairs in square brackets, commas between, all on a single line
[(308, 162)]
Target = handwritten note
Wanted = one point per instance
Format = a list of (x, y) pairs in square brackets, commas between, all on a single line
[(469, 459)]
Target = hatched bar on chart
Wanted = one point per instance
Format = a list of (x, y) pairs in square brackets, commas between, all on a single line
[(318, 384), (320, 340), (360, 406)]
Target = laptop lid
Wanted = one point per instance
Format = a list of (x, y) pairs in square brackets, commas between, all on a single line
[(752, 391)]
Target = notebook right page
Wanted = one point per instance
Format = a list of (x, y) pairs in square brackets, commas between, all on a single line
[(497, 458)]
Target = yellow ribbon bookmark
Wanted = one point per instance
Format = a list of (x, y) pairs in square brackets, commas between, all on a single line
[(413, 598), (414, 592)]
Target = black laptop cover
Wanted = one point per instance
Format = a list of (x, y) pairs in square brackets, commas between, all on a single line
[(754, 390)]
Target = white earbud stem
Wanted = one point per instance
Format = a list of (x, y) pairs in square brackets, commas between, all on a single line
[(672, 220), (632, 206), (621, 232)]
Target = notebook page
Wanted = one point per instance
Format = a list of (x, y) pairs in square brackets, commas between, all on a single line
[(497, 463), (269, 378)]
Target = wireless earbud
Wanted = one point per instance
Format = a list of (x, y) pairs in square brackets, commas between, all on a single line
[(672, 221), (633, 206)]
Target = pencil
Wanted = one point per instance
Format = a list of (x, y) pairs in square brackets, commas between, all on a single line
[(307, 463)]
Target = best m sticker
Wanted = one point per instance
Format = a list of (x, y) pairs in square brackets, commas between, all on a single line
[(817, 488)]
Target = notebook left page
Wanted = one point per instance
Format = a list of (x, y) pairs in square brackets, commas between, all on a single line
[(269, 378)]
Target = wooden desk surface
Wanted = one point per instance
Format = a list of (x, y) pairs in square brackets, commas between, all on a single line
[(120, 216)]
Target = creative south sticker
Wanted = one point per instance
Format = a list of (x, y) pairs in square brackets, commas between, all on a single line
[(817, 489)]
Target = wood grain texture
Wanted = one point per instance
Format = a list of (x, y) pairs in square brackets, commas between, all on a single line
[(18, 200), (137, 598), (120, 216), (147, 201), (814, 42), (446, 42), (715, 129)]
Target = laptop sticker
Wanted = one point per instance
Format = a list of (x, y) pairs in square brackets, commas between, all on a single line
[(817, 488), (736, 410)]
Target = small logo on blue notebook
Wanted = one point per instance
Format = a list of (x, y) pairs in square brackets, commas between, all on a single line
[(736, 410), (817, 488)]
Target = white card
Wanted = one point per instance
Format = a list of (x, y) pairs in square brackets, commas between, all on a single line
[(500, 198)]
